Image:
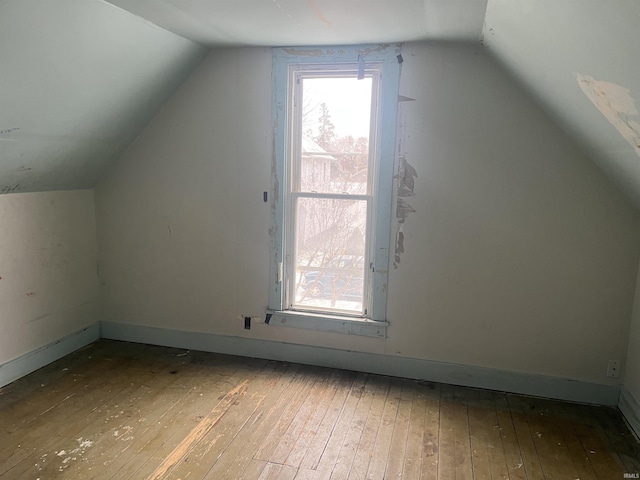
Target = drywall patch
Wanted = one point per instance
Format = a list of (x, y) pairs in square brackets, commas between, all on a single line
[(616, 104)]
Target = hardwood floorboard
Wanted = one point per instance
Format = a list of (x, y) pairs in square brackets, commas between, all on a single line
[(130, 439), (510, 445), (352, 439), (318, 391), (294, 403), (323, 433), (462, 442), (378, 463), (603, 459), (113, 429), (249, 438), (205, 449), (322, 402), (496, 452), (118, 411), (430, 437), (168, 437), (40, 395), (449, 423), (277, 471), (553, 452), (563, 423), (305, 474), (66, 420), (366, 445), (398, 446), (341, 428), (480, 422), (631, 448), (610, 429), (530, 459), (415, 434)]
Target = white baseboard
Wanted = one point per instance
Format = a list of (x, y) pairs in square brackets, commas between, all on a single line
[(630, 409), (29, 362), (465, 375)]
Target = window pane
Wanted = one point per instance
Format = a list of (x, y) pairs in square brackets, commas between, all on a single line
[(330, 254), (334, 145)]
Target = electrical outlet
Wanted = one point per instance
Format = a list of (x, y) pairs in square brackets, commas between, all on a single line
[(613, 369)]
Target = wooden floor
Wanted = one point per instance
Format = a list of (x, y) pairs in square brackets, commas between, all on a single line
[(118, 410)]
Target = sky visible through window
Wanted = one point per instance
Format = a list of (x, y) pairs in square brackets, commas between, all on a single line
[(348, 101)]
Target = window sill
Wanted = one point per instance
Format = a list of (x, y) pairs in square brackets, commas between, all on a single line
[(328, 323)]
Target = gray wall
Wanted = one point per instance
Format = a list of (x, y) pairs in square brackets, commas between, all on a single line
[(632, 373), (48, 281), (520, 256)]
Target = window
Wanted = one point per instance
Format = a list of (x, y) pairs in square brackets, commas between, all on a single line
[(330, 190), (334, 147)]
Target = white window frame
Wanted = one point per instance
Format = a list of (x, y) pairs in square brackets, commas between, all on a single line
[(382, 58)]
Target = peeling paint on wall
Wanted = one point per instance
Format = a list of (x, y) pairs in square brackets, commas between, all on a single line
[(405, 182), (309, 52), (331, 52), (403, 209), (616, 104), (369, 50), (274, 169)]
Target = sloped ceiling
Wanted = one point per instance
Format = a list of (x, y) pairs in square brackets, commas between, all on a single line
[(78, 81), (580, 59), (313, 22)]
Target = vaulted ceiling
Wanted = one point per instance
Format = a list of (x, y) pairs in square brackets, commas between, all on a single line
[(579, 58), (313, 22), (80, 80)]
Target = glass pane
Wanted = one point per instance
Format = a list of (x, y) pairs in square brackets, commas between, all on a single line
[(330, 254), (336, 119)]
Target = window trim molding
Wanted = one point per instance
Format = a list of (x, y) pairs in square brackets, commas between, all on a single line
[(283, 58), (327, 322)]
